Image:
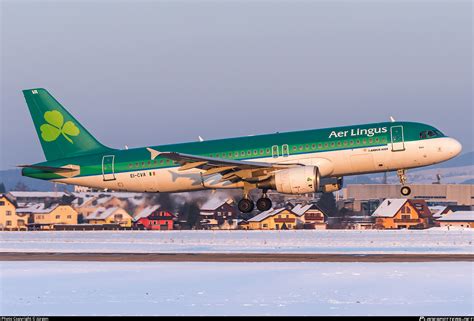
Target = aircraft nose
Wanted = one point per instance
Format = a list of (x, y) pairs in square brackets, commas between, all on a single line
[(453, 147)]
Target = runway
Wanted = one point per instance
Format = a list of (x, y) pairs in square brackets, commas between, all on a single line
[(231, 257)]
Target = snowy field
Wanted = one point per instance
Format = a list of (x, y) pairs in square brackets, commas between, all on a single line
[(91, 288), (302, 241)]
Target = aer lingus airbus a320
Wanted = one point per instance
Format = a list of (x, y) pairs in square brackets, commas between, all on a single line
[(292, 162)]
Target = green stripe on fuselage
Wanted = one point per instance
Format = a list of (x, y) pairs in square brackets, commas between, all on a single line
[(259, 146)]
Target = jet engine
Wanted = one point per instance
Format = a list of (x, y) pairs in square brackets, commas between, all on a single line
[(297, 180)]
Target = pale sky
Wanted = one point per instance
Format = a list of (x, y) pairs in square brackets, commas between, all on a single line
[(142, 73)]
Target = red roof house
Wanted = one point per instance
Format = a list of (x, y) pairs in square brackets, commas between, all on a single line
[(154, 218)]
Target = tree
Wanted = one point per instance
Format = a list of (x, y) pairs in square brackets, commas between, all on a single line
[(327, 202), (190, 213), (2, 188), (20, 186), (164, 200)]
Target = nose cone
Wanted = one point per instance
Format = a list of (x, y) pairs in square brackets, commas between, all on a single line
[(453, 147)]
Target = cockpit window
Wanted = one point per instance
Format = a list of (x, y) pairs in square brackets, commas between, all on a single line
[(431, 134)]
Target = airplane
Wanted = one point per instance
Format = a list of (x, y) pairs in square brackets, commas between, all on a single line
[(298, 162)]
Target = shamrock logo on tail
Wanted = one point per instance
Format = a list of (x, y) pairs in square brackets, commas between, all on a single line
[(56, 126)]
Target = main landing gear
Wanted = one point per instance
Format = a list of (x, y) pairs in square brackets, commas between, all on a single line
[(405, 190), (246, 205)]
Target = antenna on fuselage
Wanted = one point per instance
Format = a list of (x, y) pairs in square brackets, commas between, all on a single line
[(392, 119)]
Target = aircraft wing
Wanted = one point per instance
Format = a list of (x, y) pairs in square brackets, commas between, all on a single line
[(230, 169)]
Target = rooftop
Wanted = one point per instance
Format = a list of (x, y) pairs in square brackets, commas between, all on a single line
[(102, 213), (389, 207), (214, 203), (260, 217), (464, 216), (146, 212)]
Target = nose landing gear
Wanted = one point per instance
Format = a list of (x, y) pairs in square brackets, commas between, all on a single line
[(404, 190)]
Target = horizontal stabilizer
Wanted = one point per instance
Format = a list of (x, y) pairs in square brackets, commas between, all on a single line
[(69, 168)]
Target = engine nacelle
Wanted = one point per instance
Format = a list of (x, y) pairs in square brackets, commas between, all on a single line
[(298, 180)]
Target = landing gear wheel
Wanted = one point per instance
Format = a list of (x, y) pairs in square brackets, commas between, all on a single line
[(264, 204), (405, 190), (245, 205)]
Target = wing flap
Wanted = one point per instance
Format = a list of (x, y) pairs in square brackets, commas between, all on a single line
[(230, 169)]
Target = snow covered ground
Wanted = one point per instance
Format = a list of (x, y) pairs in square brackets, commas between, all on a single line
[(93, 288), (434, 240)]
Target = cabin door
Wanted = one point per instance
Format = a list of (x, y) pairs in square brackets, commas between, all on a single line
[(108, 170), (275, 151), (398, 142)]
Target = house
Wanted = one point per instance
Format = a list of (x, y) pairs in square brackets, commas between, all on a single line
[(44, 216), (311, 216), (154, 218), (10, 220), (357, 222), (402, 213), (464, 219), (218, 214), (86, 204), (111, 215), (440, 211), (275, 219), (27, 197)]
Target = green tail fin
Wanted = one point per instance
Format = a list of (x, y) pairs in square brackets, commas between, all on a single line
[(60, 134)]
